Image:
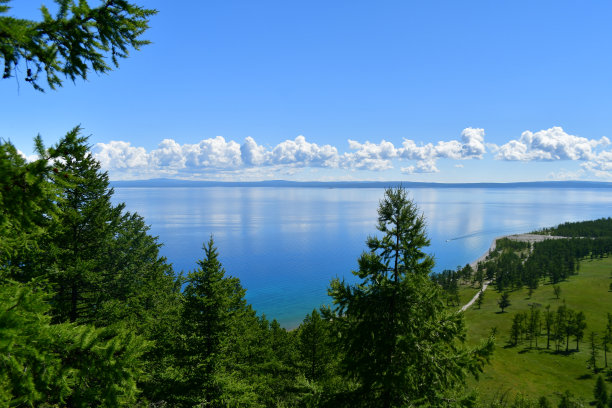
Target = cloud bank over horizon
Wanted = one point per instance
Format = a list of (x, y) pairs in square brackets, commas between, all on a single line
[(217, 157)]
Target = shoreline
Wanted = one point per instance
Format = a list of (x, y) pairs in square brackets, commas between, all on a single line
[(527, 237)]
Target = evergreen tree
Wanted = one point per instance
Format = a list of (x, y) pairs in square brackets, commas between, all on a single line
[(480, 298), (601, 393), (61, 364), (72, 43), (504, 301), (215, 321), (568, 401), (579, 328), (607, 339), (86, 224), (402, 345), (314, 346), (544, 403), (516, 330), (27, 204), (557, 291), (534, 324), (594, 352), (548, 322)]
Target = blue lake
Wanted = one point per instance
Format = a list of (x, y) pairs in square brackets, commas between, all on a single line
[(286, 244)]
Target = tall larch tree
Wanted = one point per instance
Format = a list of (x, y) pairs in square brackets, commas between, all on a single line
[(403, 347)]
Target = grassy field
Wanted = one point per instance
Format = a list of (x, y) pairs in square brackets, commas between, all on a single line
[(537, 372)]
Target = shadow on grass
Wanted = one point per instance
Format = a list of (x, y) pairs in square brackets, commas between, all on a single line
[(585, 377)]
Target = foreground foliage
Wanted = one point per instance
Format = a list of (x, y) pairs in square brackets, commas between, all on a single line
[(77, 40), (403, 346)]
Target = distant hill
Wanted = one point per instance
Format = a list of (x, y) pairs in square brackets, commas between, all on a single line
[(354, 184)]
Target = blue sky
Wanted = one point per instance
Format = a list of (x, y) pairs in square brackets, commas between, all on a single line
[(345, 90)]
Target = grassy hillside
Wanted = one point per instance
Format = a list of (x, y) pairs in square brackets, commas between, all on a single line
[(537, 372)]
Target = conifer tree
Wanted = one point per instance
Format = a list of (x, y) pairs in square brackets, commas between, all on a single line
[(504, 301), (402, 345), (594, 351), (77, 40), (607, 339), (548, 322), (579, 326), (314, 346), (600, 393), (62, 364), (480, 298), (212, 305), (86, 224)]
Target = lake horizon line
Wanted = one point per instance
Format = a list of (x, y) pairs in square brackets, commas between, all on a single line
[(166, 182)]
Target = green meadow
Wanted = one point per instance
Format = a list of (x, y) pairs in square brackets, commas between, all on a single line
[(537, 372)]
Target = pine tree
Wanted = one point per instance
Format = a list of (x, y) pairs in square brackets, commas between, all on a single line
[(402, 345)]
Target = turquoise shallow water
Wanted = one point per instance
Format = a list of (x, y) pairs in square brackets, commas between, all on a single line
[(286, 244)]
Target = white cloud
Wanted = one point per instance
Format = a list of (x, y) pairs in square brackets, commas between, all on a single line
[(550, 144), (120, 155), (471, 146), (369, 156), (252, 154), (218, 156), (168, 154), (423, 166), (301, 153), (601, 165), (473, 143)]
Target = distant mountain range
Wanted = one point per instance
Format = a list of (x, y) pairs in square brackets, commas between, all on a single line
[(355, 184)]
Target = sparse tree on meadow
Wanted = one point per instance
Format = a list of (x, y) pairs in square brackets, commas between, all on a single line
[(607, 339), (600, 393), (579, 328), (480, 299), (504, 301), (548, 323), (557, 291), (594, 351)]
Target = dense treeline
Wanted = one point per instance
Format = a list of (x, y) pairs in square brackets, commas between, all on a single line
[(585, 229), (92, 315), (553, 259)]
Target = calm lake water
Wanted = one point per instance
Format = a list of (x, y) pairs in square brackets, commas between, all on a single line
[(286, 244)]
